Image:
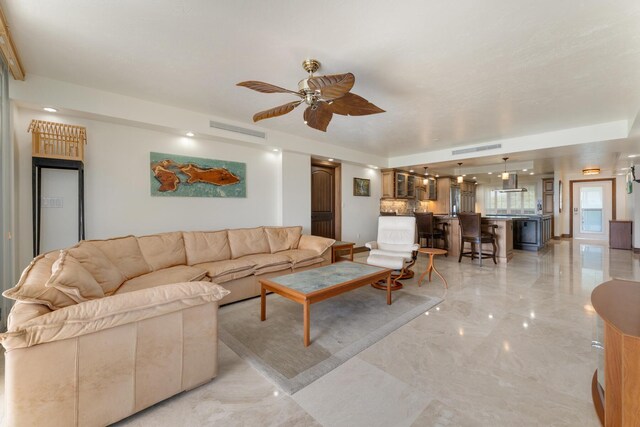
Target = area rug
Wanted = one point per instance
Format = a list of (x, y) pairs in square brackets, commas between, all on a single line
[(341, 327)]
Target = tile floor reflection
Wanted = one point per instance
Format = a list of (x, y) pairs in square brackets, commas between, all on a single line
[(510, 345)]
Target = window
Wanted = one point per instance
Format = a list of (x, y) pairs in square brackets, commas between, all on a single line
[(500, 203)]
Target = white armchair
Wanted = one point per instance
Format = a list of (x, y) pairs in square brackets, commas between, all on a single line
[(395, 247)]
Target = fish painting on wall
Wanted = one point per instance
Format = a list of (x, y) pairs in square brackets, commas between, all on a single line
[(183, 176)]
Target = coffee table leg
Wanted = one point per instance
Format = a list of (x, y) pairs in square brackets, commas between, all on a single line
[(263, 303), (306, 323), (389, 289)]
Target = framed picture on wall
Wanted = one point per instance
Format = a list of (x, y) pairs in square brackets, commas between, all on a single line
[(361, 187)]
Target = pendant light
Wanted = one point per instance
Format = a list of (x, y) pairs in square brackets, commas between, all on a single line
[(460, 178), (426, 173), (505, 174)]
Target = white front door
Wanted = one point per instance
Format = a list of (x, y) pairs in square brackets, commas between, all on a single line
[(591, 210)]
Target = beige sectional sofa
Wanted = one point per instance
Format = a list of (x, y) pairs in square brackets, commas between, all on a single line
[(109, 327)]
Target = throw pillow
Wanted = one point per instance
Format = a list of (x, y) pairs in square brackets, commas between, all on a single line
[(97, 263), (31, 286), (69, 277)]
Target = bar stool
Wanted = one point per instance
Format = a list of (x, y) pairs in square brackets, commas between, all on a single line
[(471, 231)]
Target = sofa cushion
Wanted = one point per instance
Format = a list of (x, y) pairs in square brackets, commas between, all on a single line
[(283, 238), (163, 250), (101, 268), (308, 262), (68, 276), (315, 243), (206, 246), (166, 276), (220, 268), (300, 255), (124, 253), (266, 260), (248, 241), (31, 286)]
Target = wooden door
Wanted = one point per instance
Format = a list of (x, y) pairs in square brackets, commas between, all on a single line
[(323, 201)]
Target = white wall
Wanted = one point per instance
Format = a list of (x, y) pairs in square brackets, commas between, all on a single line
[(359, 213), (117, 187), (623, 200), (296, 190)]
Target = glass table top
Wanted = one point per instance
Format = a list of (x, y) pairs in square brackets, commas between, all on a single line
[(309, 281)]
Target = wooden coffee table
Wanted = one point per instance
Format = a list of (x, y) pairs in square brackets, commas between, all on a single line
[(317, 284)]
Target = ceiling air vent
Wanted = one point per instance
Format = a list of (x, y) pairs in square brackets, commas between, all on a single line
[(476, 149), (237, 129)]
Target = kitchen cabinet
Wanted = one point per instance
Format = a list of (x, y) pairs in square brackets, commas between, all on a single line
[(388, 184), (532, 232), (405, 186), (398, 184), (431, 188)]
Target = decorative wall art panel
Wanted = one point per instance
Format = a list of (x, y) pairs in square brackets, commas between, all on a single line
[(183, 176)]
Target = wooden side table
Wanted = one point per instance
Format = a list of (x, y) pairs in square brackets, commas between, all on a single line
[(432, 252), (341, 246)]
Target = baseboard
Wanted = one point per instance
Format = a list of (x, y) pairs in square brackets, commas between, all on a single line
[(566, 236), (358, 249), (557, 237), (636, 250)]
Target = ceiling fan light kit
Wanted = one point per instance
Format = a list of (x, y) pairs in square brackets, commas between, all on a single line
[(324, 96)]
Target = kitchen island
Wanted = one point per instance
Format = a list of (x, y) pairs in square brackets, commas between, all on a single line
[(504, 236), (530, 232)]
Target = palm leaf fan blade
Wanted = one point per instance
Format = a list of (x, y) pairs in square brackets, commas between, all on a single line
[(318, 116), (332, 86), (354, 105), (276, 111), (265, 87)]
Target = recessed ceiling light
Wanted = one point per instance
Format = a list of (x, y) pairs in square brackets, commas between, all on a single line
[(620, 174), (411, 170), (524, 170), (331, 160), (275, 150), (464, 174), (190, 133), (631, 156), (490, 173), (531, 173), (50, 110), (437, 176), (474, 178)]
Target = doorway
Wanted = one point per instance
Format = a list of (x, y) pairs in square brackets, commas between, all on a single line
[(325, 200), (592, 207)]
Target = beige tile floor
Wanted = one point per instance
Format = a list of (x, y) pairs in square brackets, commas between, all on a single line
[(508, 346)]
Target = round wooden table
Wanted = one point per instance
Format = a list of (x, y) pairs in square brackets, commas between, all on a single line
[(432, 252)]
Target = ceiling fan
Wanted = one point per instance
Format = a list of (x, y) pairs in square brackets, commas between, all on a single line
[(324, 96)]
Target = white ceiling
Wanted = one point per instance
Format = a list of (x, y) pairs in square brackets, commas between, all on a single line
[(448, 73)]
